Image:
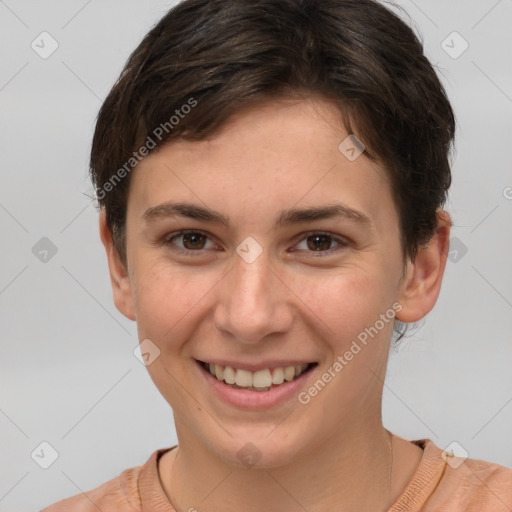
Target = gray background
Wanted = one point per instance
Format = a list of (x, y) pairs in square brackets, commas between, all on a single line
[(69, 376)]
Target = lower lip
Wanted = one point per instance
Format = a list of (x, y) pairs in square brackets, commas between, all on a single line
[(255, 399)]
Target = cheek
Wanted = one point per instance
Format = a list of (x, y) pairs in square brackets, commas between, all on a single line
[(354, 319), (347, 303), (168, 304), (167, 300)]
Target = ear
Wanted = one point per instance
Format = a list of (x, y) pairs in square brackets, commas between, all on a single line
[(424, 275), (119, 277)]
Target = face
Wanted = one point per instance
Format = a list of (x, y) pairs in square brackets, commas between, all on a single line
[(265, 247)]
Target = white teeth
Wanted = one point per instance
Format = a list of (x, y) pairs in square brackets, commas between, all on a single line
[(289, 373), (243, 377), (229, 375), (278, 376), (260, 379)]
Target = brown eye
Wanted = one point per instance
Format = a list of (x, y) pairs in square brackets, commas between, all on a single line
[(189, 242), (193, 240), (319, 242)]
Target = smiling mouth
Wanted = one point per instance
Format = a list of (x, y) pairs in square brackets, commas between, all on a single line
[(261, 380)]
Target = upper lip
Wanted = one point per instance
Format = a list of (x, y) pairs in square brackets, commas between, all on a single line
[(254, 367)]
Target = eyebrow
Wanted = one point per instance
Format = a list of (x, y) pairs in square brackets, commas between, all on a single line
[(286, 217)]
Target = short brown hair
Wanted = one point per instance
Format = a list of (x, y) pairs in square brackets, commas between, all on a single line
[(224, 55)]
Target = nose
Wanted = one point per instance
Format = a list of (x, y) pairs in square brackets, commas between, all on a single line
[(254, 302)]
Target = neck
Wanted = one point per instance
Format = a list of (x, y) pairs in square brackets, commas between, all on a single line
[(358, 473)]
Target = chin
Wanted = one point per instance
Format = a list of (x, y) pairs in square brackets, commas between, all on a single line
[(262, 451)]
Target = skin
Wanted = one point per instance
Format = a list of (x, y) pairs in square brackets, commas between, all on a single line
[(291, 302)]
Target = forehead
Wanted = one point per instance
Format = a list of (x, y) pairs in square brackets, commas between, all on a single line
[(276, 155)]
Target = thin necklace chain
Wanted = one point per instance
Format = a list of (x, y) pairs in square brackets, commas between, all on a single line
[(390, 447)]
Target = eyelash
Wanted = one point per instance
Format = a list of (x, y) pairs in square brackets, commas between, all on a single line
[(342, 243)]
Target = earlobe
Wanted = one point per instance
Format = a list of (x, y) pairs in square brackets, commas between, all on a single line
[(424, 275), (119, 277)]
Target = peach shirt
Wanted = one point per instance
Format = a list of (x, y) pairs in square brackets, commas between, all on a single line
[(474, 486)]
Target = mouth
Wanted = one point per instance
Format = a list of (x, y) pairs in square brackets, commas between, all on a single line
[(262, 380)]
